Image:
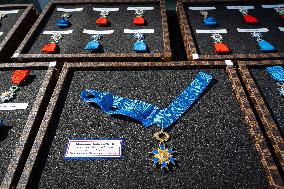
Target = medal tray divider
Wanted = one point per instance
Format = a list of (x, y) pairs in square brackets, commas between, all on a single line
[(43, 141), (190, 41), (24, 144), (14, 37), (34, 32), (267, 118)]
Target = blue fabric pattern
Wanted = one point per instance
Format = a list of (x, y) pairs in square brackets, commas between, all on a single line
[(265, 46), (92, 46), (276, 72), (146, 113), (210, 21), (140, 46), (63, 23)]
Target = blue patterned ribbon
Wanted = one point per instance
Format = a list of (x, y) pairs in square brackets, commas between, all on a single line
[(1, 122), (146, 113), (276, 72)]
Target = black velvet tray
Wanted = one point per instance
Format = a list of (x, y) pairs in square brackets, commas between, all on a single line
[(16, 134), (263, 91), (14, 27), (214, 146), (116, 45), (242, 45), (9, 21)]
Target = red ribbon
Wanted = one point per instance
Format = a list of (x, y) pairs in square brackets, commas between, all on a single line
[(250, 19), (221, 48), (49, 48), (139, 21), (102, 21), (19, 76), (282, 16)]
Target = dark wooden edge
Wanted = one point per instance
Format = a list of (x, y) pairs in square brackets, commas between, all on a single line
[(267, 120), (28, 134), (17, 33), (165, 55), (260, 63), (190, 46), (266, 159)]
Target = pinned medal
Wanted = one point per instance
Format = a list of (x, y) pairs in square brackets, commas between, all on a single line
[(140, 45), (249, 19), (52, 46), (64, 22), (18, 78), (139, 20), (94, 45), (264, 45), (280, 11), (208, 20), (220, 47), (163, 157), (103, 21)]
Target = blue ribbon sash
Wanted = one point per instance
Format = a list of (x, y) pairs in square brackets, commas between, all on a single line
[(146, 113)]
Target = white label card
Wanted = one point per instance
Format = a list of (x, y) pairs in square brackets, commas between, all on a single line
[(103, 32), (281, 28), (69, 10), (212, 31), (202, 8), (105, 9), (13, 106), (1, 33), (272, 6), (93, 148), (140, 8), (261, 30), (229, 62), (195, 56), (139, 31), (61, 32), (9, 11), (240, 7)]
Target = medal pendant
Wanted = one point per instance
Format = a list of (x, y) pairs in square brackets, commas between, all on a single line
[(163, 157)]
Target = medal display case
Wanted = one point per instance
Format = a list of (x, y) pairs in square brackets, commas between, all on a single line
[(16, 20), (84, 19), (248, 29), (218, 141), (265, 94), (21, 115)]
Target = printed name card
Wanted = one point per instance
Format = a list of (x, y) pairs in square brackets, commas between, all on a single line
[(93, 32), (140, 8), (139, 31), (240, 7), (61, 32), (9, 11), (202, 8), (272, 6), (13, 106), (105, 9), (69, 10), (212, 31), (93, 148), (261, 30)]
